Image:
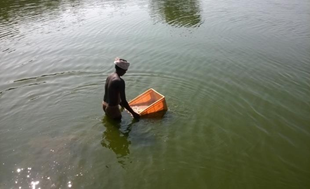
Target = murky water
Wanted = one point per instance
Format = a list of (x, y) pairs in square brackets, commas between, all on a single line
[(236, 76)]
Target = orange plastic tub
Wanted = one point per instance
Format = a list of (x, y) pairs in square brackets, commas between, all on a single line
[(148, 102)]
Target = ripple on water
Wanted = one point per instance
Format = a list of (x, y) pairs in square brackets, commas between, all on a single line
[(236, 86), (179, 98), (54, 157)]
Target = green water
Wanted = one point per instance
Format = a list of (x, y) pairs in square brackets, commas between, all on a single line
[(235, 74)]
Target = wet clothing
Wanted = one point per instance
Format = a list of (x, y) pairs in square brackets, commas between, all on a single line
[(111, 111)]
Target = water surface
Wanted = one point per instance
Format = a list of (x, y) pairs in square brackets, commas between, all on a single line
[(235, 75)]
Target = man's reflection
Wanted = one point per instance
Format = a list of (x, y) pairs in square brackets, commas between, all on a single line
[(115, 137)]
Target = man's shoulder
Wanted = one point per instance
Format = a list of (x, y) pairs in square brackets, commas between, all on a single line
[(113, 77), (115, 80)]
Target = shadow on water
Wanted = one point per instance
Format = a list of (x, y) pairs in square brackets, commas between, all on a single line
[(179, 13), (115, 137)]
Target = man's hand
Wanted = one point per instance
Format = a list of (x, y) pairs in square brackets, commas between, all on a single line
[(135, 115)]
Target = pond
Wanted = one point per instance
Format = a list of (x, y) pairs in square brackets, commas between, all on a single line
[(235, 75)]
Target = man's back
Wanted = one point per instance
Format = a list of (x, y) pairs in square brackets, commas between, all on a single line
[(112, 89)]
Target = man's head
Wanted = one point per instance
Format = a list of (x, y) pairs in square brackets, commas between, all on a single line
[(121, 66)]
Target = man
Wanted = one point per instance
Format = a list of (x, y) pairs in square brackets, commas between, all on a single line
[(115, 92)]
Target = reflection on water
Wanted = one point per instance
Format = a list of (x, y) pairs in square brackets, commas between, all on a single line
[(29, 178), (116, 139), (24, 177), (13, 13), (27, 9), (47, 164), (180, 13)]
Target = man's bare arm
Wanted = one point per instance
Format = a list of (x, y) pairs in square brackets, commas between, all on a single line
[(124, 102)]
